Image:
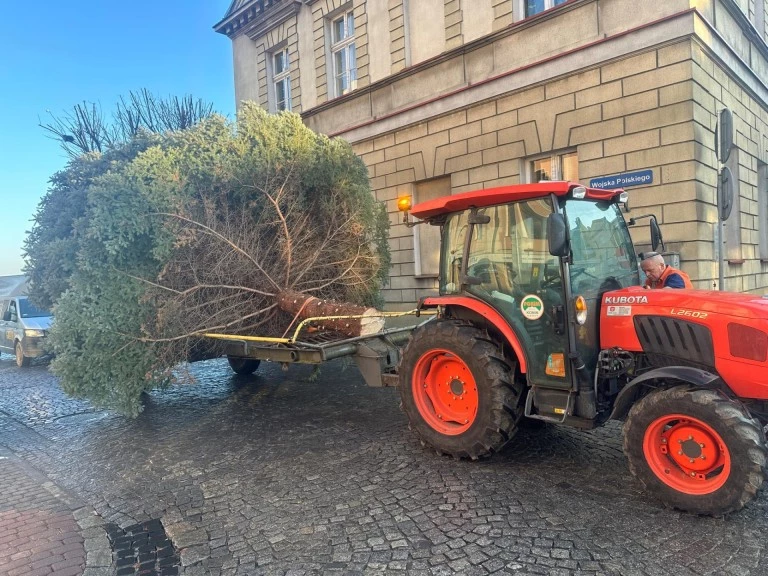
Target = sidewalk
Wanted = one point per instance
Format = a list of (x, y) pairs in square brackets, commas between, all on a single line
[(45, 531)]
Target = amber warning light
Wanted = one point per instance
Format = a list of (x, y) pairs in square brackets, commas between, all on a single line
[(404, 203)]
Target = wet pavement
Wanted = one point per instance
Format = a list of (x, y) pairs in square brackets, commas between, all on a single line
[(294, 473)]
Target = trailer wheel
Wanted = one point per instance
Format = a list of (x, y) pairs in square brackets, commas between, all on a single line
[(243, 366), (695, 450), (21, 360), (458, 390)]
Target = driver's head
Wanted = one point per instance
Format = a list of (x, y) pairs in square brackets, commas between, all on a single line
[(653, 265)]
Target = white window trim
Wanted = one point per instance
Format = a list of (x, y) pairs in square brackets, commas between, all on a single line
[(341, 45), (518, 9), (273, 79), (283, 77)]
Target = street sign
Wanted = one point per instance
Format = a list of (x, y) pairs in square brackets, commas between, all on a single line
[(639, 178)]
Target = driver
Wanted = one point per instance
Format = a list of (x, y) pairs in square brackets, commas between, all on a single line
[(658, 274)]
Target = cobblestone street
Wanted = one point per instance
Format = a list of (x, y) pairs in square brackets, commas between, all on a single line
[(283, 473)]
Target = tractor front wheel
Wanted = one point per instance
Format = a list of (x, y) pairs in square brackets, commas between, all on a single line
[(458, 390), (695, 450)]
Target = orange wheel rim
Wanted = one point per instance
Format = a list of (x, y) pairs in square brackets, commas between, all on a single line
[(445, 392), (687, 454)]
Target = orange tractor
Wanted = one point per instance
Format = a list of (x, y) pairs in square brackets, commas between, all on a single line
[(541, 315)]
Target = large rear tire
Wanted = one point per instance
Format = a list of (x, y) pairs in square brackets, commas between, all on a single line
[(243, 366), (458, 390), (695, 450)]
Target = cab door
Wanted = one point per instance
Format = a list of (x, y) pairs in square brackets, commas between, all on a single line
[(510, 267)]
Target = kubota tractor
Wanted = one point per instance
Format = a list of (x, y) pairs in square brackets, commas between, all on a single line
[(541, 316)]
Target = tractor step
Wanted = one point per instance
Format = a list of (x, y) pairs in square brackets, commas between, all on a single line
[(555, 406)]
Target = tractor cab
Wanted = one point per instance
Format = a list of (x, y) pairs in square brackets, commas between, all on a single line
[(538, 255)]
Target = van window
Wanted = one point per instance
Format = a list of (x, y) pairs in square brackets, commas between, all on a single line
[(29, 311)]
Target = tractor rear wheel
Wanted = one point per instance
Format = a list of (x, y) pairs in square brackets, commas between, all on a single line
[(458, 390), (695, 450), (243, 366)]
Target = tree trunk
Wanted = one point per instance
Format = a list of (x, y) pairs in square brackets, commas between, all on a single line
[(304, 306)]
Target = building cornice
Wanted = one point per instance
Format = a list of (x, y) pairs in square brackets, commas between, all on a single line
[(255, 17)]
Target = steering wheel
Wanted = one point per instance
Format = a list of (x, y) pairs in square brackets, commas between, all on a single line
[(495, 276)]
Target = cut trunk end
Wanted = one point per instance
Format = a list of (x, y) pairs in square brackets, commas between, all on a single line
[(303, 306)]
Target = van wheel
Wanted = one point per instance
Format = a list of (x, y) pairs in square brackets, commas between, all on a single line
[(695, 450), (458, 390), (21, 360), (243, 366)]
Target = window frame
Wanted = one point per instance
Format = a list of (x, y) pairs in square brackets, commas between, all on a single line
[(283, 77), (557, 158), (520, 7), (422, 235), (346, 46)]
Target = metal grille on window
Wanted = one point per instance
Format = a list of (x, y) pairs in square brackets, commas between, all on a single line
[(344, 53), (281, 75)]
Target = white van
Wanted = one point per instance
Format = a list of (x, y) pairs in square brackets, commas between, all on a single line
[(23, 329)]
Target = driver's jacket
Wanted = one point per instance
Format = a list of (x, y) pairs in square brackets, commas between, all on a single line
[(669, 275)]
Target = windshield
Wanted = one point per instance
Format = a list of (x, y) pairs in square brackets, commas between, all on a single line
[(603, 255), (29, 311)]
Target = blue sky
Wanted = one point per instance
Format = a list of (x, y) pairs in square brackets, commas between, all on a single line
[(56, 54)]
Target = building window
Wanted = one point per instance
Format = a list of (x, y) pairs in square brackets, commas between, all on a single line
[(527, 8), (562, 166), (762, 208), (426, 239), (281, 80), (343, 53)]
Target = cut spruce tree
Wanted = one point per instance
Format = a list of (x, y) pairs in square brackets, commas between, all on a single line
[(242, 228)]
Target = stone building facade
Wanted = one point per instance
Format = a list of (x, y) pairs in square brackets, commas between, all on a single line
[(445, 96)]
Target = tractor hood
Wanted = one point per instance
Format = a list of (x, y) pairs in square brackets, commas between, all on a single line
[(721, 332), (662, 302)]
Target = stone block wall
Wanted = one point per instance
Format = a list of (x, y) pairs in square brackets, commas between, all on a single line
[(397, 28), (635, 114), (745, 271)]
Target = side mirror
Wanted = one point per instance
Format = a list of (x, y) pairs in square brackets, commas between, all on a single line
[(656, 237), (557, 235), (7, 316)]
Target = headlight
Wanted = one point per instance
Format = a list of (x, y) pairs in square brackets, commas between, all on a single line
[(34, 333), (580, 306)]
